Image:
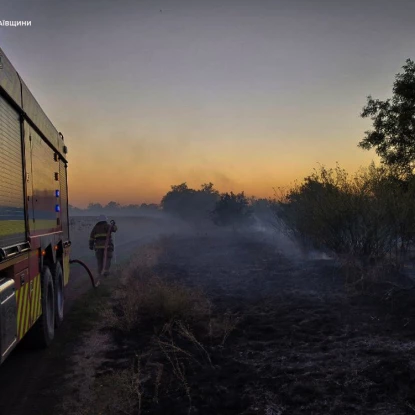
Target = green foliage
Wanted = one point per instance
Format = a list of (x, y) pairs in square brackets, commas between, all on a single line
[(393, 134), (369, 215), (232, 209)]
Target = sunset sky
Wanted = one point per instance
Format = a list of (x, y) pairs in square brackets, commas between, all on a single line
[(247, 94)]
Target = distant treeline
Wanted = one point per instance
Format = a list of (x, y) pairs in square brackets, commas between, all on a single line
[(207, 204), (115, 209), (203, 205)]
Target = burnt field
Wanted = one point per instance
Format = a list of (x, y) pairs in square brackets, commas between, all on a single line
[(243, 329)]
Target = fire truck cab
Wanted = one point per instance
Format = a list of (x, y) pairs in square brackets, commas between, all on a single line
[(34, 225)]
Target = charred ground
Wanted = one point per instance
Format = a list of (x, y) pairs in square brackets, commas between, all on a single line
[(288, 337)]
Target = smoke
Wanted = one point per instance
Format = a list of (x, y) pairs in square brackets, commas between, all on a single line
[(274, 230), (132, 232)]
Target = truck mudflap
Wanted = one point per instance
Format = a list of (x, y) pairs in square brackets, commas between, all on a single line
[(8, 317)]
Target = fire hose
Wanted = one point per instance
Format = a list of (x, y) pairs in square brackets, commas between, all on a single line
[(95, 284)]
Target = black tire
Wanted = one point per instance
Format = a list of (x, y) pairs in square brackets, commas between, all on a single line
[(59, 294), (43, 331)]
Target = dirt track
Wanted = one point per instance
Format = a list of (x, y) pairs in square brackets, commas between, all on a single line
[(31, 379)]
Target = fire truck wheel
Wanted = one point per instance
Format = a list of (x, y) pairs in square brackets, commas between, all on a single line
[(59, 296), (44, 329)]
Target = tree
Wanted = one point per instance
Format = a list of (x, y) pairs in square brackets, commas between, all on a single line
[(232, 209), (393, 134), (178, 200), (209, 188), (190, 204)]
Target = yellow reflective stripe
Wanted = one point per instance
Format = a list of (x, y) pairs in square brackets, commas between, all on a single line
[(27, 308), (28, 304), (23, 311), (100, 235), (32, 299), (32, 303)]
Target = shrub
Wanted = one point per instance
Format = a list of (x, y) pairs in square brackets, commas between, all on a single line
[(368, 215)]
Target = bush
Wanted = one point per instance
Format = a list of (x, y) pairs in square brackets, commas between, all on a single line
[(368, 215)]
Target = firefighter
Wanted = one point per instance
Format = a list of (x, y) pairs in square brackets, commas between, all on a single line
[(99, 238)]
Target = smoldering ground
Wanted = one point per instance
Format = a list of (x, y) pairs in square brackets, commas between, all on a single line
[(297, 340)]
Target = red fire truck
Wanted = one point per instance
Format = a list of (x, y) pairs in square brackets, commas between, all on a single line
[(34, 225)]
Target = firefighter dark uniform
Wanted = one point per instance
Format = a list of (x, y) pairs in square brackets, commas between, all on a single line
[(97, 241)]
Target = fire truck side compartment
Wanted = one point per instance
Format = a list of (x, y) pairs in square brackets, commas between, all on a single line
[(8, 317)]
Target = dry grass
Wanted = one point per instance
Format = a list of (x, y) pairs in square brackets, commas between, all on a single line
[(173, 324), (149, 297), (143, 295), (221, 326), (178, 359)]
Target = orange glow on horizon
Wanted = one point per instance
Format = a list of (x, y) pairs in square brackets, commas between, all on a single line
[(144, 184)]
